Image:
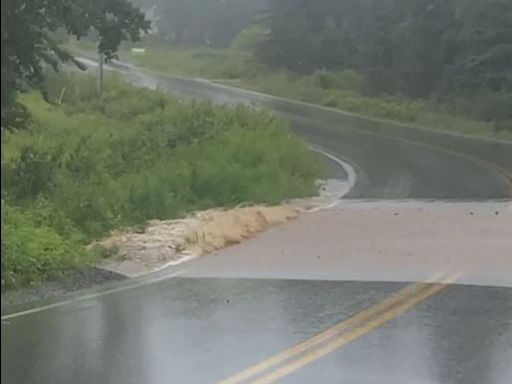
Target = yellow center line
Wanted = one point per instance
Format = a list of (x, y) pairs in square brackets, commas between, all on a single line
[(361, 317), (355, 333)]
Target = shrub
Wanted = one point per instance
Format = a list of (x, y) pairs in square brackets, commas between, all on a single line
[(347, 80), (85, 168), (32, 253), (392, 108), (250, 39), (484, 105)]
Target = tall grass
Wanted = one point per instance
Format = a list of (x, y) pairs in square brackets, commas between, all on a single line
[(90, 165)]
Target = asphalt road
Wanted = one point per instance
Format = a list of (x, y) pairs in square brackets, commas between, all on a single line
[(392, 161), (206, 330)]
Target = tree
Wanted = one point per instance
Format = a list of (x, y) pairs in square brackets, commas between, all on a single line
[(204, 22), (419, 48), (27, 43), (485, 41)]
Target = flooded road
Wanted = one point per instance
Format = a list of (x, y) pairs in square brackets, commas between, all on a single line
[(256, 321), (207, 330)]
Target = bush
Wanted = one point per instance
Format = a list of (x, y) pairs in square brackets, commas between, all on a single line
[(347, 80), (32, 253), (392, 108), (484, 105), (250, 39), (85, 168)]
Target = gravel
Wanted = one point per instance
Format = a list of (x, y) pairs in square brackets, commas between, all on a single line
[(86, 278)]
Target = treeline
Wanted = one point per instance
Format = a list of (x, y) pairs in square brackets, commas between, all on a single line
[(455, 53), (436, 49)]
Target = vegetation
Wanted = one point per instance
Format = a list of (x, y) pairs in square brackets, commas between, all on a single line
[(212, 23), (30, 41), (442, 64), (84, 165), (88, 165), (454, 52), (342, 89)]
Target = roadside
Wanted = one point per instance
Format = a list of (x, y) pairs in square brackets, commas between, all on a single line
[(164, 244), (135, 155), (337, 90)]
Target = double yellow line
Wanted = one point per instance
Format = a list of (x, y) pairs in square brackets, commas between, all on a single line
[(304, 353)]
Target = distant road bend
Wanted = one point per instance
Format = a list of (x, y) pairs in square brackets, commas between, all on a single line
[(393, 161)]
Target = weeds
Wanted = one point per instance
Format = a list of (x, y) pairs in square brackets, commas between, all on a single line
[(85, 167)]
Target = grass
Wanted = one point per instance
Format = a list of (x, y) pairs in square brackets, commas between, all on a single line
[(89, 166), (341, 90)]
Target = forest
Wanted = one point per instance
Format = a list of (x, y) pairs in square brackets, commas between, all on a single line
[(456, 52)]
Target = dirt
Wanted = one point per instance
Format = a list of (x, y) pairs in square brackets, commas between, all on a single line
[(165, 243), (378, 241)]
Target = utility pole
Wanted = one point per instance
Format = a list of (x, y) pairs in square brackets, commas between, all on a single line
[(100, 85)]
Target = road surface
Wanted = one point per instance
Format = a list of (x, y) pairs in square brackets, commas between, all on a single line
[(282, 326)]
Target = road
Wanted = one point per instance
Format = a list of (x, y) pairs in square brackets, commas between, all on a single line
[(282, 326)]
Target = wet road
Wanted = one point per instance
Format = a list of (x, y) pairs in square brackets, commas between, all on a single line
[(205, 330), (392, 161)]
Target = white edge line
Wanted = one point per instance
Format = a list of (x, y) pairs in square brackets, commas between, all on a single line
[(172, 263), (349, 170), (351, 181), (88, 297)]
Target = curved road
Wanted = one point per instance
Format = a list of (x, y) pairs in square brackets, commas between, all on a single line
[(160, 329), (393, 161)]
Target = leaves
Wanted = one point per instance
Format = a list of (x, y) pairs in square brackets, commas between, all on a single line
[(27, 43), (419, 48)]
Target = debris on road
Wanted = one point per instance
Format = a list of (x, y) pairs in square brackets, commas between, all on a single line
[(165, 243)]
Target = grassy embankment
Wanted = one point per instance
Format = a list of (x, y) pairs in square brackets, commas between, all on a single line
[(342, 90), (88, 166)]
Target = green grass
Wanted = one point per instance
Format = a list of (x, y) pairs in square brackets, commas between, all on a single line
[(201, 62), (89, 166), (342, 90)]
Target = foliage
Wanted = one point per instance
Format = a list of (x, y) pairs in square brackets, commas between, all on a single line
[(210, 23), (419, 48), (84, 168), (32, 252), (250, 38), (28, 32)]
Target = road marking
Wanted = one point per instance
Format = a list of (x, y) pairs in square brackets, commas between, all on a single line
[(349, 170), (88, 297), (360, 318), (354, 334)]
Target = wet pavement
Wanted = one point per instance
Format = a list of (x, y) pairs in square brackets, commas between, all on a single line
[(204, 330)]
